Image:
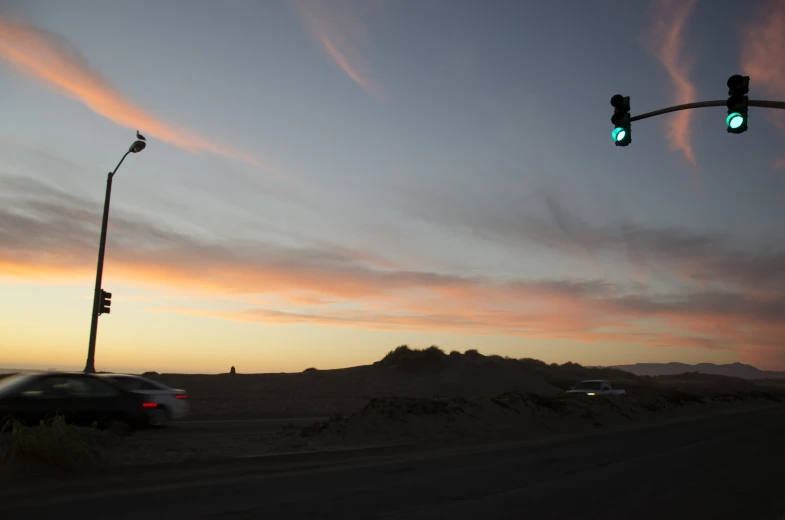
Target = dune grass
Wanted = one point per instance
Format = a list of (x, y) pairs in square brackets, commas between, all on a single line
[(52, 445)]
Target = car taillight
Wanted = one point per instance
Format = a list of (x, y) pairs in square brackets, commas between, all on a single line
[(182, 396), (149, 405)]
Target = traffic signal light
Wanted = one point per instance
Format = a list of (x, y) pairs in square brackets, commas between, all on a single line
[(105, 302), (738, 88), (622, 132)]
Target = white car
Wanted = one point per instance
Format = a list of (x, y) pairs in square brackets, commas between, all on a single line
[(594, 387), (171, 402)]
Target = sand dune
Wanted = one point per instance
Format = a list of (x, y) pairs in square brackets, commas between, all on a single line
[(326, 392), (512, 415), (416, 373)]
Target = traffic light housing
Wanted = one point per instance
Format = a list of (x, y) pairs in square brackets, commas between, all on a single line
[(738, 88), (105, 302), (622, 131)]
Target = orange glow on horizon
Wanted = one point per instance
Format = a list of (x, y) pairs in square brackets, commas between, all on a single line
[(389, 300)]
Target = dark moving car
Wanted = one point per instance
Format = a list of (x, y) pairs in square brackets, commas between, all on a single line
[(82, 399)]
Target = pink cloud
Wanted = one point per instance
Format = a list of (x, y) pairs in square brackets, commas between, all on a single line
[(665, 39), (763, 49), (763, 59), (51, 59), (339, 31)]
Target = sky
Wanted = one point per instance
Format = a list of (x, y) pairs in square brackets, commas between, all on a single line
[(327, 180)]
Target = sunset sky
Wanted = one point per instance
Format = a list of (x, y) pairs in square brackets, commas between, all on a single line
[(326, 180)]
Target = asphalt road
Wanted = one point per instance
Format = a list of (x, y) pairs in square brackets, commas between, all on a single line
[(230, 426), (730, 466)]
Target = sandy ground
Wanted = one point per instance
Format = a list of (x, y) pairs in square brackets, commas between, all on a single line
[(400, 420)]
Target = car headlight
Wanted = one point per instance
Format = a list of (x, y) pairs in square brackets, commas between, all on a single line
[(590, 393)]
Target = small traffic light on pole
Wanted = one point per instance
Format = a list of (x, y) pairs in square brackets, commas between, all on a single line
[(738, 88), (622, 132), (105, 302)]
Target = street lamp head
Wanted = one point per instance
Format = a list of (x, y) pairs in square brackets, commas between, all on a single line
[(137, 147)]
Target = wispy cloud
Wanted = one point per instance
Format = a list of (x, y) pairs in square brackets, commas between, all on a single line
[(339, 30), (47, 233), (52, 59), (763, 57), (665, 39), (704, 258), (763, 49)]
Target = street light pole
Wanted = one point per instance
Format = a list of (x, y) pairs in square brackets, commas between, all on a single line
[(89, 368)]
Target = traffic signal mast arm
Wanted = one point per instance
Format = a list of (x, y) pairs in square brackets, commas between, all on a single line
[(701, 104), (736, 122)]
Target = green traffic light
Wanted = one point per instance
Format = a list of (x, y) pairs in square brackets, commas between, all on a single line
[(618, 134), (734, 120)]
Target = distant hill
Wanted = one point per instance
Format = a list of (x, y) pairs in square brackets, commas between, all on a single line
[(732, 369)]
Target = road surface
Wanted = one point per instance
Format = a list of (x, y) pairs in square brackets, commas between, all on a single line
[(197, 427), (730, 466)]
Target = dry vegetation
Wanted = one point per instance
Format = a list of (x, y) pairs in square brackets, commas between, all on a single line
[(53, 445)]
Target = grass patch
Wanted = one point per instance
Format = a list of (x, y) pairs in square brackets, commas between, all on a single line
[(555, 404), (679, 398), (315, 429), (760, 394), (53, 444)]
